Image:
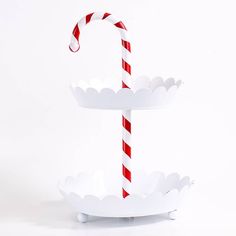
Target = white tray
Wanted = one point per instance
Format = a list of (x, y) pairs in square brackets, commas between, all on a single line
[(145, 94), (96, 194)]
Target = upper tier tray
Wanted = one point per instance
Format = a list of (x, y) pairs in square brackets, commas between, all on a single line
[(145, 94)]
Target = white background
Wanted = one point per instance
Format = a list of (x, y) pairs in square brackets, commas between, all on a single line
[(45, 136)]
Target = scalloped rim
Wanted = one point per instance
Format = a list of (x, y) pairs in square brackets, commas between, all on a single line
[(145, 94), (134, 205)]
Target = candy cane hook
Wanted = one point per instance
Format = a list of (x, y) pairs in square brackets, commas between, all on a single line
[(126, 83)]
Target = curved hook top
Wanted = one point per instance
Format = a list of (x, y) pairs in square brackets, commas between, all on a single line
[(126, 47)]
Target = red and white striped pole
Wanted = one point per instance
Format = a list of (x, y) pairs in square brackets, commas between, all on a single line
[(126, 83)]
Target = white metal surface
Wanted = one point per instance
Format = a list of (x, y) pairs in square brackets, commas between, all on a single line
[(145, 94), (95, 194)]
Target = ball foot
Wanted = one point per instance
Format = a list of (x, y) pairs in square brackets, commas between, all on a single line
[(172, 215), (82, 218)]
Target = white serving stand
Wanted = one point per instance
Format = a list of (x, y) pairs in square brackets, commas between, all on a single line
[(151, 194)]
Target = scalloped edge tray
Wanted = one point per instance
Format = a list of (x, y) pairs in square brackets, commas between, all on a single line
[(145, 94), (165, 197)]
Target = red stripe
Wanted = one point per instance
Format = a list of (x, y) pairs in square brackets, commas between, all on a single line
[(76, 32), (126, 173), (124, 85), (126, 124), (126, 148), (126, 66), (125, 194), (126, 45), (120, 25), (106, 15), (88, 17)]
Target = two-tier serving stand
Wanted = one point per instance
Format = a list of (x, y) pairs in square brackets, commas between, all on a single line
[(140, 194)]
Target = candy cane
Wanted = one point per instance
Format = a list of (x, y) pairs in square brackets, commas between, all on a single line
[(126, 83)]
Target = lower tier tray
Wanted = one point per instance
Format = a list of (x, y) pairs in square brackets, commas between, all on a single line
[(98, 194)]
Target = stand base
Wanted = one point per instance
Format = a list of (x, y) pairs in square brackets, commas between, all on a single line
[(172, 215), (84, 218)]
